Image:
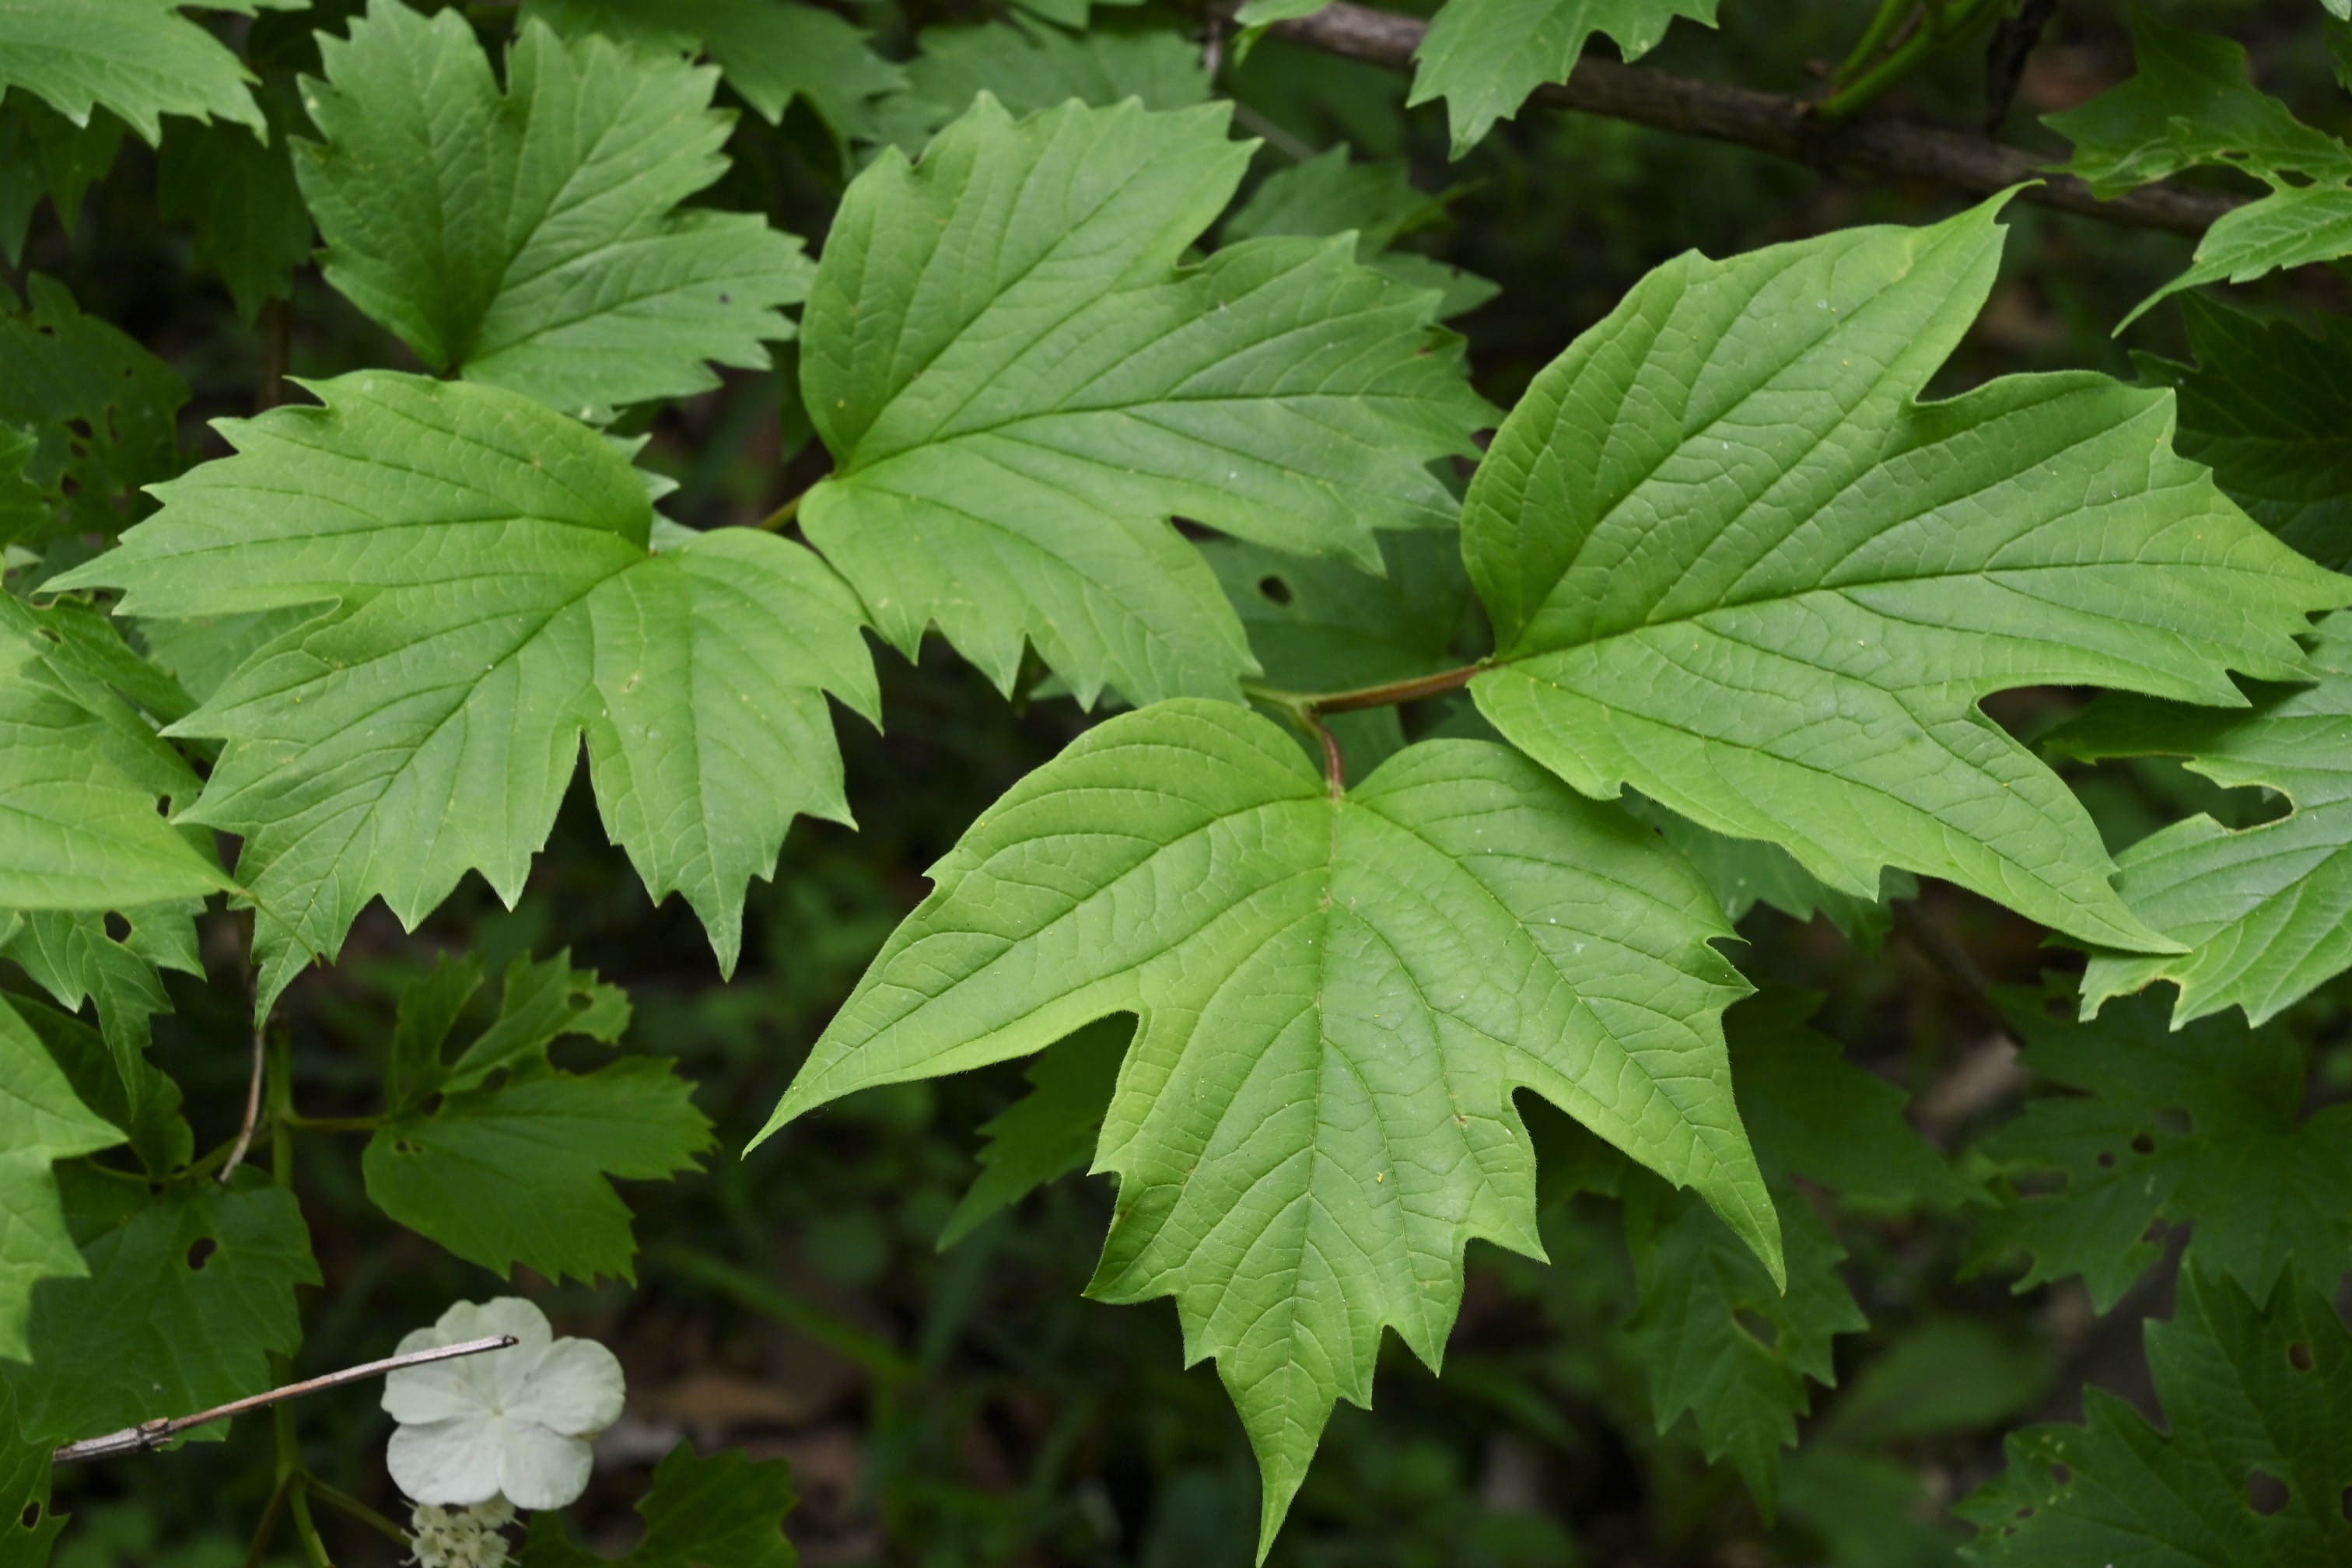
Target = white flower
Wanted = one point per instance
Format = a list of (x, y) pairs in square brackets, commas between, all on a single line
[(513, 1423), (461, 1537)]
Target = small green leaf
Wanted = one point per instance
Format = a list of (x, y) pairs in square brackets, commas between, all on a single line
[(2265, 406), (238, 193), (532, 239), (2201, 1125), (1726, 1342), (2260, 911), (104, 410), (41, 1121), (81, 774), (75, 957), (189, 1293), (1484, 57), (1029, 69), (1021, 387), (500, 1157), (43, 153), (498, 597), (2190, 105), (1328, 193), (2246, 1392), (1745, 872), (116, 1081), (726, 1509), (771, 51), (1047, 1132), (1733, 564), (1337, 999), (140, 59)]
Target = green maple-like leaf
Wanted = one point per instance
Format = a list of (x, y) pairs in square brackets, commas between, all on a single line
[(76, 956), (2247, 1393), (140, 59), (771, 51), (1734, 564), (44, 155), (1021, 387), (2190, 105), (2262, 911), (104, 410), (502, 1158), (1484, 57), (725, 1509), (495, 594), (115, 1079), (1029, 69), (2265, 406), (2201, 1125), (189, 1291), (1048, 1132), (238, 193), (532, 239), (41, 1121), (1337, 999), (1328, 193)]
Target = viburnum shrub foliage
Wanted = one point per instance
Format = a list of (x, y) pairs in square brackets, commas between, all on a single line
[(1428, 750)]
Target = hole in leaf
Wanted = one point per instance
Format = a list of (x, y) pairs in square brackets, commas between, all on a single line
[(53, 634), (2143, 1144), (80, 427), (32, 1514), (581, 1001), (2266, 1493), (117, 928), (2298, 1356), (1275, 589), (2173, 1121), (2025, 1513), (200, 1251), (2348, 1505), (402, 1146), (2063, 1474), (2106, 1161), (1757, 1327), (725, 298)]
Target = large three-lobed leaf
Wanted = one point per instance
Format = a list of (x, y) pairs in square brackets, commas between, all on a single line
[(490, 588), (1339, 997), (1021, 386), (1484, 57), (533, 238), (1732, 563)]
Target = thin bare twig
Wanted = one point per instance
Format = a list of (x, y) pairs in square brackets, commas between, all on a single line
[(1785, 127), (253, 1085), (153, 1433)]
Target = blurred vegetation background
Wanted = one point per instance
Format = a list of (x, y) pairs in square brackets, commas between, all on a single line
[(967, 1406)]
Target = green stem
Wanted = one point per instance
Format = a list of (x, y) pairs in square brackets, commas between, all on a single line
[(306, 1528), (1889, 17), (336, 1497), (1389, 695), (278, 1081), (1874, 83), (329, 1123), (782, 518), (267, 1530)]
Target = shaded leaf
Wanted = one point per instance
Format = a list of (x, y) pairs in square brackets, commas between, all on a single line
[(189, 1293), (103, 409), (43, 153), (1733, 564), (141, 58), (1337, 999), (41, 1123), (1029, 69), (1328, 193), (726, 1509), (2246, 1392), (771, 51), (238, 196), (2201, 1125), (1047, 1132)]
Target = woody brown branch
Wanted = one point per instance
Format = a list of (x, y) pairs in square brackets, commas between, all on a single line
[(1868, 148)]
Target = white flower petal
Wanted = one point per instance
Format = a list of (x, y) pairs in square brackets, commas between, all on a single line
[(576, 1388), (448, 1462), (435, 1392), (540, 1468)]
